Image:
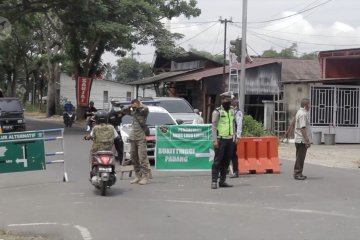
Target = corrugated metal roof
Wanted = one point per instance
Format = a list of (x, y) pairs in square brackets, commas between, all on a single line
[(293, 70), (158, 77), (196, 76)]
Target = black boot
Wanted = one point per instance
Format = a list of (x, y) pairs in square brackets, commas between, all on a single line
[(235, 175), (224, 185)]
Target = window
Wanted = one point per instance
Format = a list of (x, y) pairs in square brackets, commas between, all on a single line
[(128, 96), (106, 96)]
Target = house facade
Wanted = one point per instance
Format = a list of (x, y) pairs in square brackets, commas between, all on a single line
[(101, 93), (336, 99)]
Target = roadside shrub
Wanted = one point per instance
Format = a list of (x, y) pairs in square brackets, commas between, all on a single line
[(253, 128)]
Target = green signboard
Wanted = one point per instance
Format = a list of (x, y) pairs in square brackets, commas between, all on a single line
[(184, 147), (22, 151)]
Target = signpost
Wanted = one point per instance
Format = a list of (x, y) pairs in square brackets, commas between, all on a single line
[(184, 147), (22, 151)]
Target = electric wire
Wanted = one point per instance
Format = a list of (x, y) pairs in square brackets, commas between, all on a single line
[(217, 38), (198, 34), (292, 15), (293, 41)]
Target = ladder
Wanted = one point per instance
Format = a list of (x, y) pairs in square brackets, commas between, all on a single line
[(233, 83), (280, 113)]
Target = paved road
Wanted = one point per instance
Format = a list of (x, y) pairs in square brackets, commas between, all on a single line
[(180, 205)]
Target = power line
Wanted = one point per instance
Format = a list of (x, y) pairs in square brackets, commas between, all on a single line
[(252, 49), (310, 43), (195, 25), (290, 40), (217, 38), (307, 35), (196, 34), (292, 15), (195, 22)]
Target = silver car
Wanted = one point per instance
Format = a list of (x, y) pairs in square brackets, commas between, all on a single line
[(157, 116)]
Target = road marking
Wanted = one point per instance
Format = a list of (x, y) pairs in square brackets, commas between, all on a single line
[(303, 211), (309, 211), (85, 234), (30, 224)]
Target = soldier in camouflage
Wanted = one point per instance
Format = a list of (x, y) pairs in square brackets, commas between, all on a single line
[(103, 134), (138, 151)]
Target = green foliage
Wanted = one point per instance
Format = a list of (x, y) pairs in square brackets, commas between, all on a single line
[(129, 69), (216, 58), (309, 56), (290, 52), (253, 128)]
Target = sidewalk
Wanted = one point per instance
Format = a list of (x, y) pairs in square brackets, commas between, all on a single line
[(339, 155)]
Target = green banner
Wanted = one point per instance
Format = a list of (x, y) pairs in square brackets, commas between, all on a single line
[(184, 147), (22, 151)]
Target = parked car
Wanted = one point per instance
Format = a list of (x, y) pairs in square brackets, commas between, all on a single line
[(157, 116), (11, 115), (179, 108)]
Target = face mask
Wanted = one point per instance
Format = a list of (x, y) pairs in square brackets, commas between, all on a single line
[(226, 105)]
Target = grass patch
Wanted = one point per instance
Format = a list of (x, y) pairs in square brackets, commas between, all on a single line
[(5, 235)]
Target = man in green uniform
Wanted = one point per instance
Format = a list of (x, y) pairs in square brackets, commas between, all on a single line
[(138, 151)]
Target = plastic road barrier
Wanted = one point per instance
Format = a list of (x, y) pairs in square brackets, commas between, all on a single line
[(258, 155)]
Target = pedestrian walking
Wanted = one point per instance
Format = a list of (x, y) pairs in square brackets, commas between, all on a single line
[(302, 137), (223, 136), (238, 129), (137, 138)]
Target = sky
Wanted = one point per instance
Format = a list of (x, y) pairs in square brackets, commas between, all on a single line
[(314, 25)]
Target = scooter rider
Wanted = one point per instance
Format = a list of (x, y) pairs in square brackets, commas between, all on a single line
[(115, 119), (103, 134), (68, 108), (90, 111)]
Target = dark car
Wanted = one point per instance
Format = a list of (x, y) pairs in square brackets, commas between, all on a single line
[(11, 115)]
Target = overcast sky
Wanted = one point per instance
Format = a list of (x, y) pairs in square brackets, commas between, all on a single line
[(315, 25)]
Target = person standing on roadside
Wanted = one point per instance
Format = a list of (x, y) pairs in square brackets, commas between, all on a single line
[(302, 137), (238, 129), (137, 137), (223, 136)]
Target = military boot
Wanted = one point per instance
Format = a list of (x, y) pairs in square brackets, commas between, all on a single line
[(150, 173), (137, 178), (145, 179)]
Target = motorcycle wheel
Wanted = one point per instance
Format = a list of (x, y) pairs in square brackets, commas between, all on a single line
[(103, 188)]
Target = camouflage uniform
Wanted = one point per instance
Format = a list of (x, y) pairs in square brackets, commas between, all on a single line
[(103, 137), (138, 151)]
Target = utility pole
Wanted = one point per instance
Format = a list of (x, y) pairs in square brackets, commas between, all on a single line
[(225, 21), (241, 84)]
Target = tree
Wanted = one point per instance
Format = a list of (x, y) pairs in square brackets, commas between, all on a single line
[(309, 56), (289, 52), (216, 58), (91, 27), (128, 70)]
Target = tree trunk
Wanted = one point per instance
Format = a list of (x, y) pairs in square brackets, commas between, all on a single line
[(13, 84), (51, 103)]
